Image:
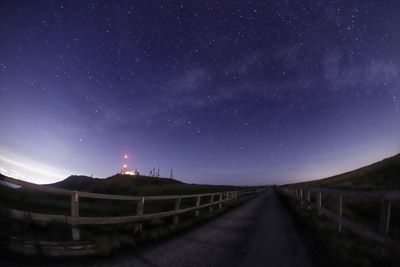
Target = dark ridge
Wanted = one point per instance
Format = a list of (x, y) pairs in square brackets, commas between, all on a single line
[(382, 175), (119, 183), (75, 182)]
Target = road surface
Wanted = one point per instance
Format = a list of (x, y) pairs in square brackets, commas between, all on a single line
[(257, 233)]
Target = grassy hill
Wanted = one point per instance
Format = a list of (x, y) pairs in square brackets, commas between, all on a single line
[(382, 175), (322, 234), (136, 185)]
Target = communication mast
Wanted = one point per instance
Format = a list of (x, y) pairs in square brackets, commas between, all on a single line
[(124, 164)]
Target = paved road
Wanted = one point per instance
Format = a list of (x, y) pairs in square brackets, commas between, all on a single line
[(258, 233)]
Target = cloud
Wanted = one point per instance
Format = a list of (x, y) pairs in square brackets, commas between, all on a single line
[(37, 169), (187, 90), (12, 173), (381, 70), (190, 81), (373, 72), (244, 65)]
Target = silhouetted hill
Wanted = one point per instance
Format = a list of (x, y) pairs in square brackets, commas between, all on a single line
[(117, 184), (383, 174), (74, 182)]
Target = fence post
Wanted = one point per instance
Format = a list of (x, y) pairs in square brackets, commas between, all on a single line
[(75, 213), (385, 217), (236, 196), (309, 199), (301, 196), (319, 202), (211, 201), (387, 225), (340, 211), (197, 205), (177, 207), (220, 201), (384, 222), (139, 211)]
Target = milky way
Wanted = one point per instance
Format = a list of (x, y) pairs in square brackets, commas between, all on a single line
[(250, 92)]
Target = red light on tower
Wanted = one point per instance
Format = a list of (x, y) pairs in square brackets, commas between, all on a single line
[(125, 164)]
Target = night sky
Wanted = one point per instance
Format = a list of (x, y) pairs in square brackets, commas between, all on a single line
[(225, 92)]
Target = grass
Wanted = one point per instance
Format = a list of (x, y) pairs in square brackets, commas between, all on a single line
[(349, 248), (121, 236), (337, 249), (106, 237), (137, 185), (382, 175), (114, 241)]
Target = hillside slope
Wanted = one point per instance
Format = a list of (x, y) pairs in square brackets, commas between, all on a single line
[(381, 175), (121, 184), (77, 182), (136, 185)]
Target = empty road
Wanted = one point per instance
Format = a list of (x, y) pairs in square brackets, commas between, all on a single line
[(257, 233)]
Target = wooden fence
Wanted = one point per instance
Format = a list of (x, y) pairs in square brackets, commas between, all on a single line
[(306, 197), (73, 219)]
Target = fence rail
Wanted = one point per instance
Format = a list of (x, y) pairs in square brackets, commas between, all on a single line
[(389, 194), (385, 197), (216, 199)]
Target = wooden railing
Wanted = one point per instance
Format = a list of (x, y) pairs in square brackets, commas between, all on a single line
[(305, 197), (73, 219)]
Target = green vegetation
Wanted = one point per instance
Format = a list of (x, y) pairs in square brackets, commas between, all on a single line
[(137, 185), (331, 248), (119, 184), (351, 249), (106, 237), (382, 175)]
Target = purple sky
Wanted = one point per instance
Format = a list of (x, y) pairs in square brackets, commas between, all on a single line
[(225, 93)]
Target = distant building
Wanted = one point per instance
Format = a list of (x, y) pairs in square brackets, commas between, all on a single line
[(129, 172)]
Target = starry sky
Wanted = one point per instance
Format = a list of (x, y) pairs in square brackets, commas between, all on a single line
[(225, 92)]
